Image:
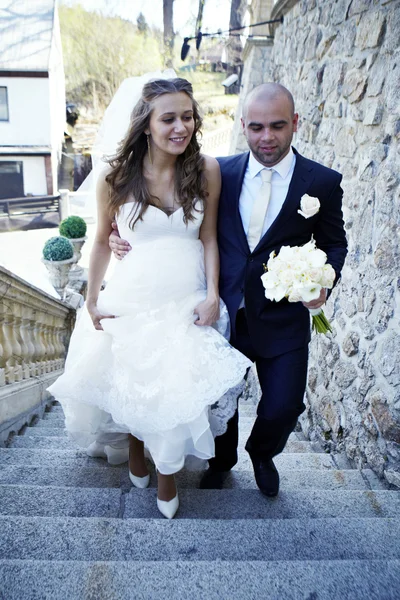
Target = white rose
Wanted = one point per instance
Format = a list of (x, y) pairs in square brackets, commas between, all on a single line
[(274, 290), (309, 291), (294, 297), (316, 258), (286, 276), (328, 276), (287, 253), (309, 206), (315, 274)]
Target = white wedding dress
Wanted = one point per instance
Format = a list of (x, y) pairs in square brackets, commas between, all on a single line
[(152, 372)]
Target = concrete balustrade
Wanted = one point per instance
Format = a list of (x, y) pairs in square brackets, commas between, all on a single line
[(34, 333)]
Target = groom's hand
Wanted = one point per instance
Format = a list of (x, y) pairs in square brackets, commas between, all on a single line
[(207, 311), (318, 302), (119, 247)]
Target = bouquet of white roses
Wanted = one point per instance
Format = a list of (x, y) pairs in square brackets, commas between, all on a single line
[(298, 273)]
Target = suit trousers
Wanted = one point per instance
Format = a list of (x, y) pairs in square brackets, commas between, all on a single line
[(283, 381)]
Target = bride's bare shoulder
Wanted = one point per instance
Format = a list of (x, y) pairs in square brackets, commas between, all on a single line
[(211, 164)]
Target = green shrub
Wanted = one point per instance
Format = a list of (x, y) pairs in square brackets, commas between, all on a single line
[(73, 227), (58, 248)]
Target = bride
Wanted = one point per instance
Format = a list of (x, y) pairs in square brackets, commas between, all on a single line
[(147, 365)]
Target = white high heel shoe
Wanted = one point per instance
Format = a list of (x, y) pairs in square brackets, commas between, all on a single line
[(140, 482), (168, 509), (115, 456)]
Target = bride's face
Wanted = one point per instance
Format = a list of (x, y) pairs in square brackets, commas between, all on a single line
[(171, 123)]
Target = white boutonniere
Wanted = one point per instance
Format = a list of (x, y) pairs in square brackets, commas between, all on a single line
[(309, 206)]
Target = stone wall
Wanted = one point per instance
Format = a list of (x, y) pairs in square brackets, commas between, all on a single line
[(341, 60)]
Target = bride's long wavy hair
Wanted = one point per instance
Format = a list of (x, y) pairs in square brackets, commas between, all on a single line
[(126, 176)]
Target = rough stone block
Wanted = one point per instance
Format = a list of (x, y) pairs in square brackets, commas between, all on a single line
[(345, 143), (359, 6), (339, 11), (345, 374), (354, 85), (393, 477), (373, 113), (370, 30), (333, 78), (391, 41), (351, 343)]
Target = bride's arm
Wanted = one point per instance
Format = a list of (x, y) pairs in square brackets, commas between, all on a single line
[(208, 310), (100, 254)]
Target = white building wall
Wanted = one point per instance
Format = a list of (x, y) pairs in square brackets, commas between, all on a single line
[(57, 97), (34, 173), (29, 112)]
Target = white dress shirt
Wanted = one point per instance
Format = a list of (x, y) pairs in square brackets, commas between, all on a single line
[(281, 178)]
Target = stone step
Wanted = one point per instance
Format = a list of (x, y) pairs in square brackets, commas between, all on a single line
[(44, 441), (52, 423), (179, 580), (69, 476), (94, 538), (36, 431), (78, 458), (52, 457), (24, 500), (290, 461), (24, 441), (62, 476), (251, 504)]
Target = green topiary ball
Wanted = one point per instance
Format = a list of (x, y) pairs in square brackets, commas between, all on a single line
[(73, 227), (58, 248)]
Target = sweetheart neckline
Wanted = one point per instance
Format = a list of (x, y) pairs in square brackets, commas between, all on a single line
[(159, 209)]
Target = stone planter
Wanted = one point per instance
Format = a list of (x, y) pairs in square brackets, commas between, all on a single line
[(77, 244), (77, 271), (59, 273)]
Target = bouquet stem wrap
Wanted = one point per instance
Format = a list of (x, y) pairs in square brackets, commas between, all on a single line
[(320, 323)]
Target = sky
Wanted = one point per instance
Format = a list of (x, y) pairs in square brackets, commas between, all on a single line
[(216, 12)]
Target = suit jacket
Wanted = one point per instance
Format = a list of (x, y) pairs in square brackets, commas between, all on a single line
[(276, 327)]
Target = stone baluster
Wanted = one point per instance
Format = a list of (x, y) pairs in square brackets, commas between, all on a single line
[(33, 337), (40, 347), (59, 344), (21, 358), (2, 370), (10, 345), (50, 341), (4, 350), (28, 339), (46, 341)]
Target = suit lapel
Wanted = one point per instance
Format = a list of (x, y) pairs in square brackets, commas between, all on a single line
[(236, 182), (300, 183)]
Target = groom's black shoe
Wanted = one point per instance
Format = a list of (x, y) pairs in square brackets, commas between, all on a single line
[(267, 476), (213, 480)]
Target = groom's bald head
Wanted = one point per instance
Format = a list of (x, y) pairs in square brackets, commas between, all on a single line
[(267, 92)]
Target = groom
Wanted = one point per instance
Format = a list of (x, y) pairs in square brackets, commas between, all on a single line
[(258, 213)]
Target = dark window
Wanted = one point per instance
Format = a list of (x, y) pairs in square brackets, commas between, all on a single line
[(11, 179), (3, 104)]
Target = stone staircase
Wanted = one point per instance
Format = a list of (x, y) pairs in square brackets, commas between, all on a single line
[(73, 528)]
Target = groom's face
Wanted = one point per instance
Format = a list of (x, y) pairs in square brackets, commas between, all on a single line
[(268, 126)]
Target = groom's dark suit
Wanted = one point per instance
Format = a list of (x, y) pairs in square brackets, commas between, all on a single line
[(274, 334)]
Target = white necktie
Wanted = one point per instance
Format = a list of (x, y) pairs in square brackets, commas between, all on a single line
[(259, 211)]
